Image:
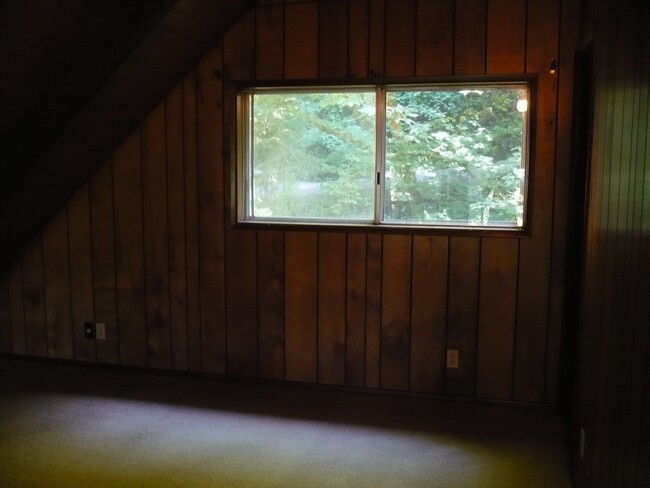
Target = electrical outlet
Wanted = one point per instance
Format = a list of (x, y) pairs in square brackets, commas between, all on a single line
[(89, 330), (100, 330), (452, 358), (582, 443)]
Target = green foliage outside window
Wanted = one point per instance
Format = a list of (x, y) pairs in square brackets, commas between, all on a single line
[(451, 155)]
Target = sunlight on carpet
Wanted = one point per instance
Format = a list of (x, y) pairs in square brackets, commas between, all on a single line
[(76, 441)]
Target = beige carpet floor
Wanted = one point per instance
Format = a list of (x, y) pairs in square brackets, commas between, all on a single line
[(80, 426)]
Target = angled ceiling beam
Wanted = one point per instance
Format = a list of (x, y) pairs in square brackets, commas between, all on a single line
[(69, 147)]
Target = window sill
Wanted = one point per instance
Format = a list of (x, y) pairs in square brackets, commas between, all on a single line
[(347, 227)]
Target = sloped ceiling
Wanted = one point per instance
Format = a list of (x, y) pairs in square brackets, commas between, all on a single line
[(76, 76)]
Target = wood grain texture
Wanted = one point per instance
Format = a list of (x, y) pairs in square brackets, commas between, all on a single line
[(434, 42), (177, 250), (355, 310), (269, 32), (333, 39), (102, 224), (496, 318), (36, 337), (129, 252), (81, 273), (300, 40), (191, 222), (462, 313), (395, 312), (301, 302), (358, 39), (399, 52), (271, 303), (178, 287), (56, 282), (428, 314), (373, 309), (376, 38), (211, 212), (506, 36), (469, 37), (156, 238), (331, 308)]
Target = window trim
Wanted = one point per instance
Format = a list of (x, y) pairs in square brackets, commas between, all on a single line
[(240, 148)]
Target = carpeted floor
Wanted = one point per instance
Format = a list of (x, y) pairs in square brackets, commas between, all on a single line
[(79, 426)]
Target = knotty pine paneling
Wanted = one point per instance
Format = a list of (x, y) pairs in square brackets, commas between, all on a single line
[(179, 288)]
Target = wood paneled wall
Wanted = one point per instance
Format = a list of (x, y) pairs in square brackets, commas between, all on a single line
[(145, 246), (613, 404)]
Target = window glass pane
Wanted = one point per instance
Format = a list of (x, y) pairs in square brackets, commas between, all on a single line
[(313, 155), (454, 156)]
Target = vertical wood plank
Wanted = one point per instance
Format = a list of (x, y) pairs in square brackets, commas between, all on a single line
[(462, 306), (358, 39), (373, 308), (300, 39), (6, 339), (271, 299), (194, 348), (102, 224), (211, 212), (534, 267), (395, 312), (241, 302), (355, 319), (333, 39), (56, 281), (178, 277), (376, 24), (129, 252), (496, 329), (81, 274), (506, 36), (156, 238), (241, 245), (301, 314), (17, 309), (34, 299), (331, 308), (557, 384), (429, 313), (400, 38), (469, 37), (434, 43), (270, 46)]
